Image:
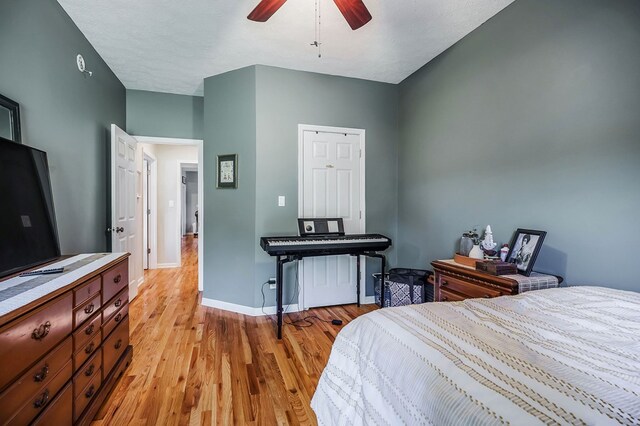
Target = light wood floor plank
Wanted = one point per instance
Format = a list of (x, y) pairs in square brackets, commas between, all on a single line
[(194, 365)]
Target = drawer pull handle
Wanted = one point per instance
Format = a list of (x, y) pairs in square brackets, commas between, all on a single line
[(443, 283), (444, 298), (89, 348), (118, 317), (41, 332), (40, 402), (117, 278), (118, 344), (89, 330), (89, 370), (487, 296), (118, 303), (42, 374), (90, 392), (89, 309)]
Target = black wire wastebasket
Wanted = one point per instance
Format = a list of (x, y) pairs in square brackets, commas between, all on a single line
[(403, 286)]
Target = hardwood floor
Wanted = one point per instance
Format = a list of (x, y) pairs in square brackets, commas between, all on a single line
[(196, 365)]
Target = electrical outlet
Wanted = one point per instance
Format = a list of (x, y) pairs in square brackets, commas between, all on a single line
[(272, 286), (272, 283)]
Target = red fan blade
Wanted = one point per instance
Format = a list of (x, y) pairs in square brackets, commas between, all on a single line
[(354, 11), (265, 9)]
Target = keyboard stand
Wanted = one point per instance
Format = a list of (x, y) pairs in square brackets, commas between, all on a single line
[(283, 260)]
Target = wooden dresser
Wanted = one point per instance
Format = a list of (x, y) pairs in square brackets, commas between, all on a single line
[(62, 353), (456, 282)]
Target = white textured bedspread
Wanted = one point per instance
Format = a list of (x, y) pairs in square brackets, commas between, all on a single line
[(558, 356)]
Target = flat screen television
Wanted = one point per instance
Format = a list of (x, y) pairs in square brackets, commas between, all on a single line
[(28, 230)]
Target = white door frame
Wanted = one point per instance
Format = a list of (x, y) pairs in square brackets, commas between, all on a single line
[(363, 219), (182, 165), (152, 204), (201, 216)]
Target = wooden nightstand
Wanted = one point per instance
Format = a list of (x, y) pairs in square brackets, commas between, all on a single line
[(455, 282)]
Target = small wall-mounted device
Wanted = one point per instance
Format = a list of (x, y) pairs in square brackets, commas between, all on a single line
[(81, 65)]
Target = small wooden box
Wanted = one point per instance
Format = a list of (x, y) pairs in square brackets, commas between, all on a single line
[(464, 260), (496, 267)]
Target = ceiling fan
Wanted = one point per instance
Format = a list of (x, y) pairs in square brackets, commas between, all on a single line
[(354, 11)]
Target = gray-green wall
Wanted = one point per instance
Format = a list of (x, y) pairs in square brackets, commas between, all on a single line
[(165, 115), (255, 113), (63, 112), (229, 225), (533, 120), (287, 98)]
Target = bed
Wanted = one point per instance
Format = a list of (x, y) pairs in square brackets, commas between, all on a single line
[(557, 356)]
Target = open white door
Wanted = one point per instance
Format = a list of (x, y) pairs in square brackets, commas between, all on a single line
[(124, 232)]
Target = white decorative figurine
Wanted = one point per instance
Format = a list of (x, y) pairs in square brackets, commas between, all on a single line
[(487, 243)]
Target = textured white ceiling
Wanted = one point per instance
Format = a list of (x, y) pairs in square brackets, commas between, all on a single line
[(171, 46)]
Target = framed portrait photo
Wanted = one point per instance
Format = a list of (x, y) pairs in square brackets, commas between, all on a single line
[(227, 171), (524, 248)]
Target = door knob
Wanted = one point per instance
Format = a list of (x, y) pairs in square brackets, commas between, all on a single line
[(120, 229)]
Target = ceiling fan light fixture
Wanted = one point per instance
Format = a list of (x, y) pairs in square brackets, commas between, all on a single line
[(354, 11)]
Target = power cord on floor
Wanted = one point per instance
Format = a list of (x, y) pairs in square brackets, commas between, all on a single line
[(306, 320)]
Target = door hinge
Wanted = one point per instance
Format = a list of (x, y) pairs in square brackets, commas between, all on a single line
[(360, 214), (360, 153), (148, 251), (148, 212)]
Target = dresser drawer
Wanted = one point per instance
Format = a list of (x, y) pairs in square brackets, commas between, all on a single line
[(116, 303), (42, 398), (86, 310), (59, 412), (25, 340), (449, 296), (114, 280), (112, 323), (88, 349), (84, 333), (87, 291), (114, 346), (86, 395), (33, 380), (86, 373), (466, 288)]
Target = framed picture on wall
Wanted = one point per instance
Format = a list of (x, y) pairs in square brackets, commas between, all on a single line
[(9, 119), (524, 248), (227, 171)]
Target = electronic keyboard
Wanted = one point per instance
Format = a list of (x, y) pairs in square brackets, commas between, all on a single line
[(324, 245), (321, 237)]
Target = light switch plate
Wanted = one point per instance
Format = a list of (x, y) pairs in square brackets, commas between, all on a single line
[(281, 201), (171, 203)]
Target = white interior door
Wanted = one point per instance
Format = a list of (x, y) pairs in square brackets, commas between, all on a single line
[(124, 233), (331, 181)]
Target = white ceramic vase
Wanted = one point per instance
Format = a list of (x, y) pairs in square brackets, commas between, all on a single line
[(476, 252)]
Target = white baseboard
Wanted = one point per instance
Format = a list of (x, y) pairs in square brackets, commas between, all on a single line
[(140, 281), (167, 265), (246, 310)]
